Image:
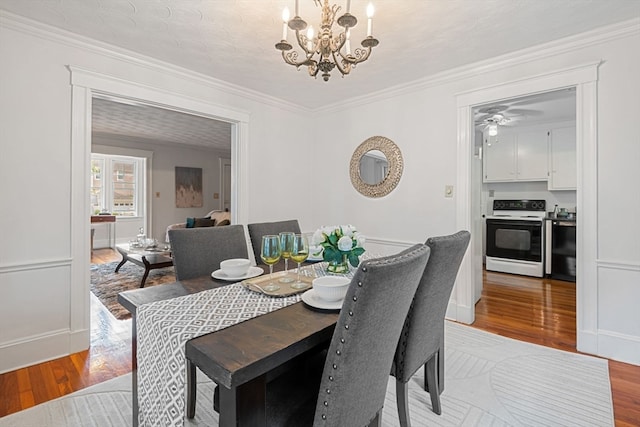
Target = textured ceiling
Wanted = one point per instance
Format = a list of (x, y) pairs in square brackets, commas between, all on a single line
[(233, 41), (158, 125)]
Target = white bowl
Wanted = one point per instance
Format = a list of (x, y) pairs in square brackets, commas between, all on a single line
[(235, 267), (331, 288)]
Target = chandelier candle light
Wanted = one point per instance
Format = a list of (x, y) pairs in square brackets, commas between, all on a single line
[(325, 51)]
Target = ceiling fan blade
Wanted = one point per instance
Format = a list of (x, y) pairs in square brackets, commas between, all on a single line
[(523, 112), (493, 109)]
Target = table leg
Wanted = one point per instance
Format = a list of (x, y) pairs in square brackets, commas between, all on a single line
[(147, 269), (124, 259), (191, 389), (244, 406)]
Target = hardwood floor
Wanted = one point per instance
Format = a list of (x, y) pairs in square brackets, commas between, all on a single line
[(540, 311)]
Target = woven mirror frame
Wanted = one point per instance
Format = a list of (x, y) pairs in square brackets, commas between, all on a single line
[(395, 166)]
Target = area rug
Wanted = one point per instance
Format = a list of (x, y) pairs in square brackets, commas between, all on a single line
[(490, 381), (106, 284)]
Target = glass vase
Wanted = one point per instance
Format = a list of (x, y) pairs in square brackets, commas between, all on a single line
[(339, 267)]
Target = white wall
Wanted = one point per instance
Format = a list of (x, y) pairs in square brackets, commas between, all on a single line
[(44, 308), (44, 258), (421, 120)]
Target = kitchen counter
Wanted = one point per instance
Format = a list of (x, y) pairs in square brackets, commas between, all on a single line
[(571, 218)]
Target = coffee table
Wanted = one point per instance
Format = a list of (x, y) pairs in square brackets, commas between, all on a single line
[(147, 258)]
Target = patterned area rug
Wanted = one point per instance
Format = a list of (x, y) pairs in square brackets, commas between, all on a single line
[(106, 283), (490, 381)]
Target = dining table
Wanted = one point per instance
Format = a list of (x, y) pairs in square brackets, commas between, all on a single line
[(240, 358)]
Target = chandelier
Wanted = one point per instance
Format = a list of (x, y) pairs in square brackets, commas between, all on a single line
[(326, 51)]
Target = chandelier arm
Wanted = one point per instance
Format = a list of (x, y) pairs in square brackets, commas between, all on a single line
[(291, 59), (302, 42), (360, 55), (338, 59)]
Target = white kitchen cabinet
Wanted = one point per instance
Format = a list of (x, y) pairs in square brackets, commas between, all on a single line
[(562, 159), (516, 155), (499, 156)]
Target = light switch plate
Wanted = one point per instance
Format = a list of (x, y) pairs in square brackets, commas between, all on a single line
[(448, 191)]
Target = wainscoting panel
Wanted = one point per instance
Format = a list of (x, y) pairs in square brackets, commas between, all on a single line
[(34, 313), (618, 314)]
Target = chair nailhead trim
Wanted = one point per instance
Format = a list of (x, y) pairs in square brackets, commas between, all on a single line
[(324, 417), (350, 313), (335, 367), (346, 326), (328, 391), (360, 284), (330, 378), (355, 298), (338, 352), (342, 340), (326, 403), (364, 268)]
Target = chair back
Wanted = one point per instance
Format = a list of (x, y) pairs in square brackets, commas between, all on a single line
[(356, 370), (257, 230), (423, 331), (198, 251)]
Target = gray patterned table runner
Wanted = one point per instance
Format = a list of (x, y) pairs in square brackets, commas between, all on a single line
[(165, 326), (163, 329)]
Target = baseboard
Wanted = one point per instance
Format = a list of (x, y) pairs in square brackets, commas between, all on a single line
[(587, 342), (41, 348), (616, 346), (460, 313)]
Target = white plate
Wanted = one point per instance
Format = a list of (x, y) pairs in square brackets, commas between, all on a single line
[(311, 298), (253, 272), (315, 257)]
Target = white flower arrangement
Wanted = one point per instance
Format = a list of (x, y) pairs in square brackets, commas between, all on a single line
[(338, 242)]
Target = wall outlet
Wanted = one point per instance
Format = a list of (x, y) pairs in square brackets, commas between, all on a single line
[(448, 191), (216, 196)]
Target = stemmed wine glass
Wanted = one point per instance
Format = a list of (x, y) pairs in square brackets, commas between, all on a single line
[(286, 243), (270, 254), (299, 253)]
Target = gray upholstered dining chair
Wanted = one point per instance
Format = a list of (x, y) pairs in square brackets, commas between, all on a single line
[(350, 385), (257, 230), (422, 340), (198, 251)]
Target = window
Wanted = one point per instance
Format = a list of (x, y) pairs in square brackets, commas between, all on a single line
[(117, 185)]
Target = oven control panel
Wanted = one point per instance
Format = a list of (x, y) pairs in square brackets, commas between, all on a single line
[(519, 205)]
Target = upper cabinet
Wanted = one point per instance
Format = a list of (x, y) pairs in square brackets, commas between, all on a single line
[(536, 153), (562, 159), (516, 155)]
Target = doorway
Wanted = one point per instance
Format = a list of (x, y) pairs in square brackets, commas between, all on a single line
[(86, 85), (536, 123), (584, 79)]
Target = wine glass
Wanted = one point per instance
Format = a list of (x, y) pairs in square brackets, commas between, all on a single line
[(299, 253), (286, 243), (270, 254)]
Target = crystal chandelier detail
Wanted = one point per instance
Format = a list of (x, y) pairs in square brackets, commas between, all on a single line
[(324, 52)]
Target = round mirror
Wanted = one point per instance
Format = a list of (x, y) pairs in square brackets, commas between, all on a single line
[(373, 167), (376, 167)]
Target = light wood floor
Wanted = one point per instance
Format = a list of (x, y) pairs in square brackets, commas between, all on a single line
[(540, 311)]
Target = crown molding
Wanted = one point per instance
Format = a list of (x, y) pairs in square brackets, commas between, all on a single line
[(557, 47), (50, 33)]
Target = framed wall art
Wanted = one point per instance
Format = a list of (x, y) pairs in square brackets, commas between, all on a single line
[(188, 187)]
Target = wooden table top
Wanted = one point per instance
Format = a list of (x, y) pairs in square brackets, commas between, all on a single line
[(242, 352)]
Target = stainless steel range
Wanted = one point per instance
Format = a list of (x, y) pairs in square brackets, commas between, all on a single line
[(515, 237)]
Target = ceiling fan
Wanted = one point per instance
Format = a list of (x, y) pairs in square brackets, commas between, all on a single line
[(492, 116)]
